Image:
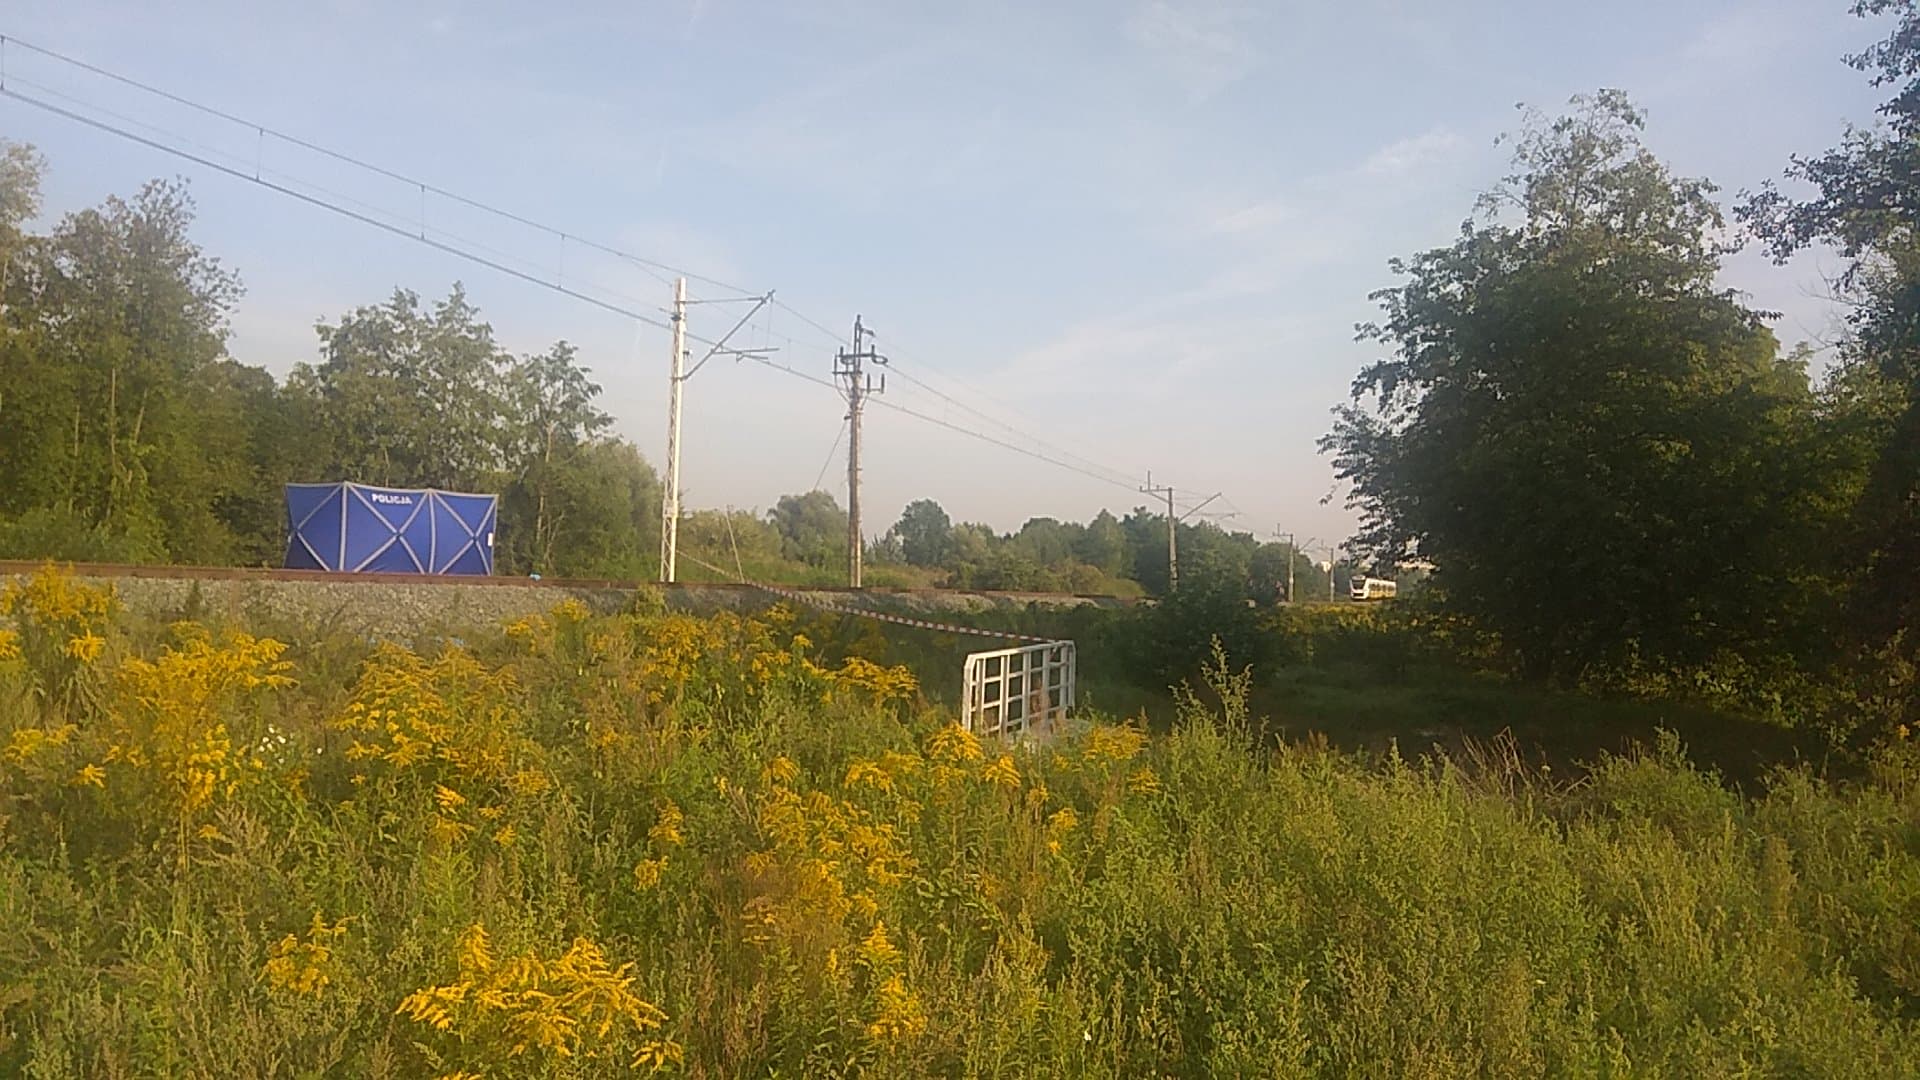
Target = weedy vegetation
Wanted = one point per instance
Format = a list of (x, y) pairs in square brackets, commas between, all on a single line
[(586, 845)]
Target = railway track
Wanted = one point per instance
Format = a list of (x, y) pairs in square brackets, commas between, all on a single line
[(20, 567)]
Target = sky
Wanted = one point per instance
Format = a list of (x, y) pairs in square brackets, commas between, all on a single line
[(1129, 236)]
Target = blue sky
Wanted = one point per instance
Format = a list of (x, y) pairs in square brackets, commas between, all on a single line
[(1140, 232)]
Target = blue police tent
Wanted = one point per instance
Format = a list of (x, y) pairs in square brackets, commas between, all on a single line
[(355, 527)]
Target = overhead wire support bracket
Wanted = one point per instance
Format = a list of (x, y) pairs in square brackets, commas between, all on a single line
[(720, 347)]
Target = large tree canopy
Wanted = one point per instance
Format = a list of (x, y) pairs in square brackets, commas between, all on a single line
[(1590, 441), (1865, 200)]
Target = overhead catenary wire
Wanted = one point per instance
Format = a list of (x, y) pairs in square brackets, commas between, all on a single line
[(338, 208), (360, 163), (1116, 476), (947, 424), (472, 251)]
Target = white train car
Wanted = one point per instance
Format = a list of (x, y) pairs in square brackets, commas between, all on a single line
[(1371, 588)]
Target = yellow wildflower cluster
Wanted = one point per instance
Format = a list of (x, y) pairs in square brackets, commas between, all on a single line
[(304, 967), (1109, 743), (667, 833), (170, 730), (60, 624), (898, 1016), (54, 598), (449, 724), (1145, 781), (955, 745), (1059, 826), (827, 859), (409, 712), (575, 1004), (647, 872), (880, 684), (533, 632), (28, 743), (781, 770), (680, 652), (666, 830), (1002, 772)]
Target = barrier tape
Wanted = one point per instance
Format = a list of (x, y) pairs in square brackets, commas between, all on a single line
[(898, 620)]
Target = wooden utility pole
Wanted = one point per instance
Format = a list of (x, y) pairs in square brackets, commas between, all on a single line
[(857, 384)]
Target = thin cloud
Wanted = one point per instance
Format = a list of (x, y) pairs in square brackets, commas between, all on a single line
[(1412, 154), (1204, 46)]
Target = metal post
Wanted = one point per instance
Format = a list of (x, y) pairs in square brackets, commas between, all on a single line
[(855, 390), (670, 500), (1292, 553)]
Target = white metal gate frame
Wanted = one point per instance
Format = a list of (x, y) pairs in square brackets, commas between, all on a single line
[(1011, 691)]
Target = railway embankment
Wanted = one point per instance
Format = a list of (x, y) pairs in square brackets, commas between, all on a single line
[(404, 605)]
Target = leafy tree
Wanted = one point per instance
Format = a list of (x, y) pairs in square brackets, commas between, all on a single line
[(1593, 445), (925, 533), (21, 167), (409, 397), (715, 536), (1047, 541), (602, 512), (1147, 544), (113, 322), (549, 424), (1867, 203), (1103, 545), (812, 528), (1267, 573)]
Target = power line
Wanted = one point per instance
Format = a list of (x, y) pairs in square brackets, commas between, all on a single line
[(338, 204), (949, 425), (831, 451), (344, 211), (413, 229), (831, 335), (1114, 476), (349, 159)]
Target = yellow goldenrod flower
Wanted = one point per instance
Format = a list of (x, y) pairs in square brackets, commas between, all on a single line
[(1002, 772), (86, 648), (304, 967), (877, 951), (955, 744), (1145, 782), (870, 774), (897, 1013), (780, 770), (666, 831), (1109, 743), (646, 872), (657, 1054)]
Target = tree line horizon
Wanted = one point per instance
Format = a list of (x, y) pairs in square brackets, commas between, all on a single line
[(1619, 475)]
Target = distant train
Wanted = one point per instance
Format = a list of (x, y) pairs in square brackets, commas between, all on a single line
[(1371, 588)]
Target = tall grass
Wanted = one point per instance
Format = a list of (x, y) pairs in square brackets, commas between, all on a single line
[(578, 846)]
